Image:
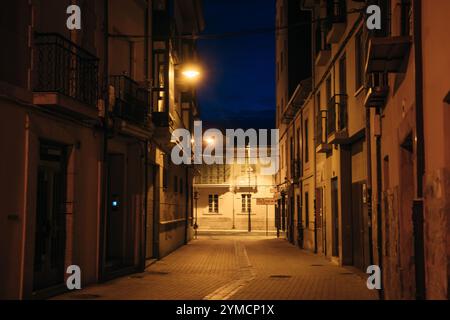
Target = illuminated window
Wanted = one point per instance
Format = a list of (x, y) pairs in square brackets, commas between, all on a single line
[(246, 203), (213, 203)]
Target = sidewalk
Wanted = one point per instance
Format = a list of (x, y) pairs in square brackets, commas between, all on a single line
[(235, 268)]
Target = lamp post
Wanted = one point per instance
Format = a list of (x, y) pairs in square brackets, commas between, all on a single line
[(249, 199), (196, 214)]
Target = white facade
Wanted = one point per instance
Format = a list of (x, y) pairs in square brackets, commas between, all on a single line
[(226, 193)]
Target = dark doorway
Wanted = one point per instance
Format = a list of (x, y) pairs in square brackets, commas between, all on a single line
[(156, 208), (291, 219), (334, 217), (406, 234), (283, 213), (319, 220), (299, 222), (50, 237), (357, 226), (118, 255), (150, 213)]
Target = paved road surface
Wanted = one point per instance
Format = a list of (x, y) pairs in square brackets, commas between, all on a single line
[(236, 268)]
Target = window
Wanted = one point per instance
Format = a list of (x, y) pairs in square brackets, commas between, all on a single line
[(306, 142), (319, 101), (246, 203), (291, 155), (328, 86), (405, 21), (299, 210), (343, 75), (213, 203), (286, 154), (359, 60), (165, 173), (319, 121), (165, 178), (306, 209), (291, 151)]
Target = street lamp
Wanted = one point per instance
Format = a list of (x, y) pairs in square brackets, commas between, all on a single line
[(196, 214), (249, 170), (209, 141), (249, 200), (191, 72)]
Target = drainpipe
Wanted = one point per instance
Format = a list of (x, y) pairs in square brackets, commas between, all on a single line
[(301, 227), (315, 181), (156, 200), (369, 185), (379, 200), (294, 177), (418, 207), (146, 142), (104, 196), (144, 244), (313, 56)]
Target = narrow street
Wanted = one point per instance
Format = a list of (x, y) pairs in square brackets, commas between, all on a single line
[(211, 150), (235, 267)]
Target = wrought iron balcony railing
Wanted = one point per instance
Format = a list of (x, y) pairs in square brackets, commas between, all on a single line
[(65, 68), (378, 90), (321, 119), (132, 101), (337, 116), (296, 169)]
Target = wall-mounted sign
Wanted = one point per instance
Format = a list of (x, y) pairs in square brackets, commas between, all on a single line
[(265, 201)]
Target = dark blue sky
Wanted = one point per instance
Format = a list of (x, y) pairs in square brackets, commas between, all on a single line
[(238, 90)]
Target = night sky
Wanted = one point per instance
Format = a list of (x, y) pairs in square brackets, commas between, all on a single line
[(238, 90)]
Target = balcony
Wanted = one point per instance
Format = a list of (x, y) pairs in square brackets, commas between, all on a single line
[(66, 77), (164, 127), (298, 99), (337, 17), (213, 176), (132, 102), (378, 90), (296, 169), (387, 53), (337, 120), (322, 145), (323, 49)]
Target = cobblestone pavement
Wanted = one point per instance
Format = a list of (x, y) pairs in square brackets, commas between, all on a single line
[(236, 268)]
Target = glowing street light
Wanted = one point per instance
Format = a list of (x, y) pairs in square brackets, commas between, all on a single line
[(209, 141), (191, 72)]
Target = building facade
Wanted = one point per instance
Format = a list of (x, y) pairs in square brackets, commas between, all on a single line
[(81, 182), (293, 56), (234, 197), (370, 128)]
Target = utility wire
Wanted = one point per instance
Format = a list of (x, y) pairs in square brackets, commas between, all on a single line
[(235, 34)]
